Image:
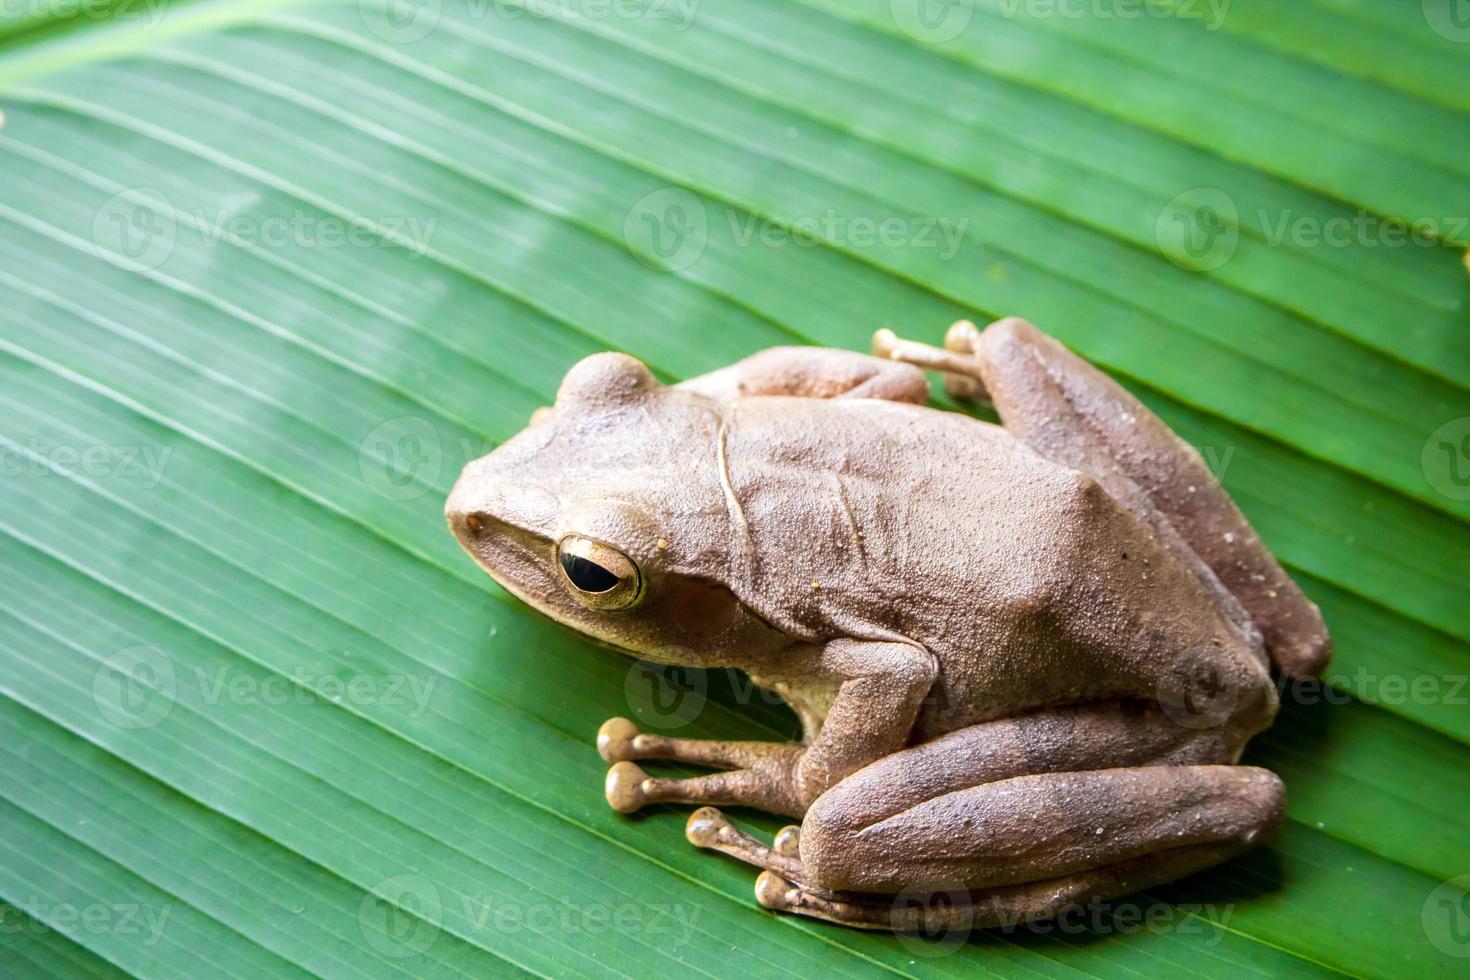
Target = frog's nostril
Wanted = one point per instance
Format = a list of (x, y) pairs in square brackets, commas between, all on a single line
[(475, 524)]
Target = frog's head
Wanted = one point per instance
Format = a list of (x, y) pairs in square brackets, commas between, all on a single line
[(609, 515)]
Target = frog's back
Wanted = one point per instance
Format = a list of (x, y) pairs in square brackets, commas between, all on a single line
[(1026, 579)]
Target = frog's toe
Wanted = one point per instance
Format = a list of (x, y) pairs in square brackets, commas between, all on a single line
[(708, 828), (705, 827), (962, 337), (626, 787), (774, 892), (615, 740), (780, 894), (788, 842)]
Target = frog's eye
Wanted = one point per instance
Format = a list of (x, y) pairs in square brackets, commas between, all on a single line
[(601, 577)]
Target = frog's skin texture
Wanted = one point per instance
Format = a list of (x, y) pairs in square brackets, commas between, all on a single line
[(1026, 657)]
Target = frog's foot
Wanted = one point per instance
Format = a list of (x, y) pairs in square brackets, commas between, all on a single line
[(708, 828), (956, 360), (951, 914)]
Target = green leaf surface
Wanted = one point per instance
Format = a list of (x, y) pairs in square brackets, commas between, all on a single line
[(273, 272)]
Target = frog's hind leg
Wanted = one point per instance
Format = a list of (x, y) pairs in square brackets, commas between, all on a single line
[(1072, 413), (1014, 820), (984, 760), (1037, 827)]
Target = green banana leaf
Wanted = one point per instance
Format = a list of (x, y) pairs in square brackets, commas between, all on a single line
[(271, 272)]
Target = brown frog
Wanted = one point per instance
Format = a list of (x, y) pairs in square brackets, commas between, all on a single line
[(1026, 657)]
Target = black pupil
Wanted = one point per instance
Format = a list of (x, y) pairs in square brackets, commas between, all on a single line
[(588, 575)]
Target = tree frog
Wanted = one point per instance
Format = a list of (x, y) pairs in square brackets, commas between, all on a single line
[(1026, 657)]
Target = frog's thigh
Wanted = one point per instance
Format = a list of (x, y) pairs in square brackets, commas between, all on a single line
[(1040, 827), (1074, 414)]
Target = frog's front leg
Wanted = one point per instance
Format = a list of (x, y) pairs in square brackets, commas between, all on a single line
[(880, 688)]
